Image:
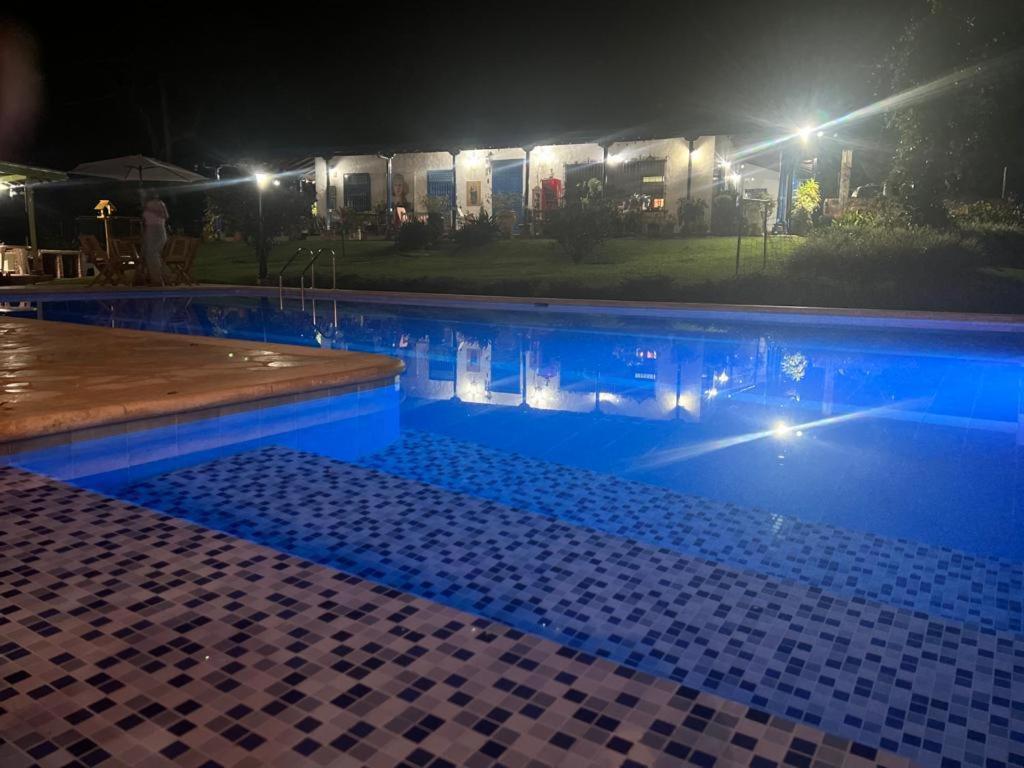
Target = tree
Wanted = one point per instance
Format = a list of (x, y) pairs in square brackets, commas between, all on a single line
[(581, 227), (807, 197), (805, 203), (286, 211), (957, 120)]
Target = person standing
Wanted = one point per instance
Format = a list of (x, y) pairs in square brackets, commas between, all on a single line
[(154, 236)]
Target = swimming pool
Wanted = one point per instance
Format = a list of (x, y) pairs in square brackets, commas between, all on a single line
[(746, 507), (911, 434)]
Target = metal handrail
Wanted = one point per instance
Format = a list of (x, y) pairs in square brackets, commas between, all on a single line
[(334, 265), (280, 275), (310, 265), (312, 275), (334, 273)]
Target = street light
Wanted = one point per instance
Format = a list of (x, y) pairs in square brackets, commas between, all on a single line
[(262, 181)]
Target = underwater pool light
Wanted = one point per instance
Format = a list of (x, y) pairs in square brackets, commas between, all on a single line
[(781, 429)]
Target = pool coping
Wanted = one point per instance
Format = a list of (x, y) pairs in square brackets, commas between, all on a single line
[(327, 373), (738, 313)]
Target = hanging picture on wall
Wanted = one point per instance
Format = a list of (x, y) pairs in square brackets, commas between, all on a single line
[(472, 193), (400, 192)]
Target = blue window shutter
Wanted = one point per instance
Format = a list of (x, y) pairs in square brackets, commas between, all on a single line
[(440, 183)]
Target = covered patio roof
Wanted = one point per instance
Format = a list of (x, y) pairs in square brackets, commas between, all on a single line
[(29, 176), (14, 173)]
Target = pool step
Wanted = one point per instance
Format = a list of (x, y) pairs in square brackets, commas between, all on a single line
[(786, 647), (978, 591)]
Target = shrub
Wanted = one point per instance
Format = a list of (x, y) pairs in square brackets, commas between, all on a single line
[(799, 222), (886, 213), (723, 214), (628, 224), (478, 231), (580, 229), (286, 211), (693, 217), (987, 212), (881, 253), (414, 236), (807, 197), (438, 204), (437, 224), (1003, 244), (806, 204)]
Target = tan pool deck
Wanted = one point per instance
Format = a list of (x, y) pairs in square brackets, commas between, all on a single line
[(61, 377)]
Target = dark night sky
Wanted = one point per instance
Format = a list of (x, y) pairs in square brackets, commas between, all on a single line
[(246, 84)]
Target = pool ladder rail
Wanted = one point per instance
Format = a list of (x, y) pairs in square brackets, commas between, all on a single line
[(311, 269)]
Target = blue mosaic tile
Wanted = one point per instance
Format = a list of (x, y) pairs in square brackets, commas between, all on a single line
[(981, 591), (132, 638), (929, 688)]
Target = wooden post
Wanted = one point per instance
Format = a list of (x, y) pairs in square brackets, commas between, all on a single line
[(739, 230), (455, 191), (689, 169), (764, 248), (30, 208), (526, 183), (845, 167)]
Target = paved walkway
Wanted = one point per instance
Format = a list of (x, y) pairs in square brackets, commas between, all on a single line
[(56, 377)]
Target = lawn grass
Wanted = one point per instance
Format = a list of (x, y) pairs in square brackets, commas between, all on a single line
[(518, 267), (701, 269)]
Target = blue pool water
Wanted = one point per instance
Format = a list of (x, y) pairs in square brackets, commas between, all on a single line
[(821, 521), (903, 434)]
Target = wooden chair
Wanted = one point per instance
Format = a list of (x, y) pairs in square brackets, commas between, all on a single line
[(126, 251), (178, 256), (109, 269)]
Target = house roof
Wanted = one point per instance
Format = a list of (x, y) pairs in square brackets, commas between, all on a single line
[(302, 159)]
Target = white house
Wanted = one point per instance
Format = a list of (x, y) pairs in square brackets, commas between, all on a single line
[(654, 173)]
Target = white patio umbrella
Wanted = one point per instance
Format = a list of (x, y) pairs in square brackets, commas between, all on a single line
[(134, 168), (137, 168)]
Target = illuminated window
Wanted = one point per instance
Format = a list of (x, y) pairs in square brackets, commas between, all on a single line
[(641, 178)]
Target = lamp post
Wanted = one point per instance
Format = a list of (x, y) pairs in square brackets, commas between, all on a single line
[(262, 181), (737, 181)]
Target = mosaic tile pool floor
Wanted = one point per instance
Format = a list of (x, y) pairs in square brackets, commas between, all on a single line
[(940, 691), (981, 591), (128, 637)]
